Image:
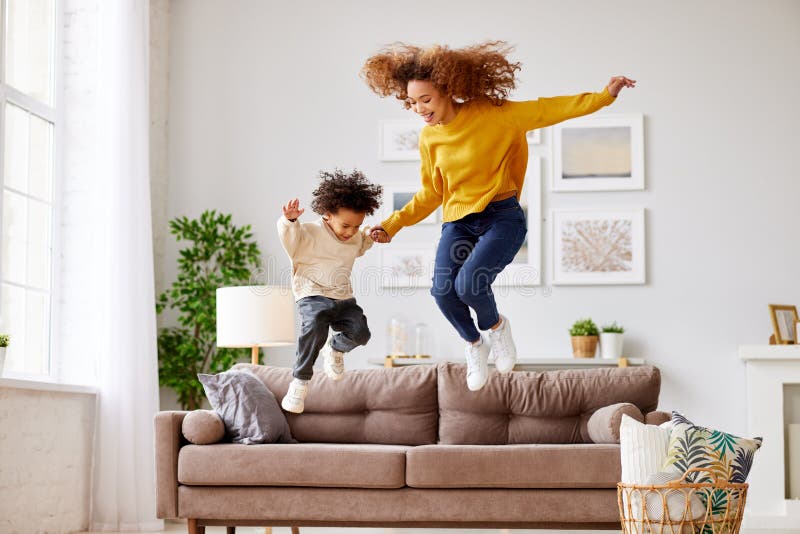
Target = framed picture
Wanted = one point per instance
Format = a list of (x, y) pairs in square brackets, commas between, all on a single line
[(598, 247), (534, 137), (397, 195), (526, 268), (784, 323), (407, 266), (599, 153), (399, 140)]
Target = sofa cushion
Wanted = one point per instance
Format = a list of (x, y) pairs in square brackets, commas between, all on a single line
[(604, 424), (203, 427), (533, 407), (381, 406), (513, 466), (305, 464)]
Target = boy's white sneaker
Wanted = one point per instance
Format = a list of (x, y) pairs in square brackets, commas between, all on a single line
[(503, 352), (294, 401), (332, 362), (477, 366)]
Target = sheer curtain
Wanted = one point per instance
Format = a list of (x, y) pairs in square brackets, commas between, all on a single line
[(107, 333)]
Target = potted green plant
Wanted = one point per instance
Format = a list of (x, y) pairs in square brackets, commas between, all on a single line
[(584, 338), (611, 340), (219, 254), (4, 338)]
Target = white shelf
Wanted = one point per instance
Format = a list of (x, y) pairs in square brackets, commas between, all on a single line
[(523, 363), (769, 352)]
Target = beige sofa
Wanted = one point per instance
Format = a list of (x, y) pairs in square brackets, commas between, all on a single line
[(413, 447)]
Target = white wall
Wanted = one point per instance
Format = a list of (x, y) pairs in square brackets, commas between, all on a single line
[(265, 94), (45, 460)]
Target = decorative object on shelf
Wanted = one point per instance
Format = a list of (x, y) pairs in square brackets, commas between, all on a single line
[(599, 153), (399, 139), (422, 340), (784, 324), (584, 338), (598, 247), (397, 336), (611, 341), (255, 316), (4, 339), (407, 266), (534, 137), (219, 254), (397, 195), (526, 267)]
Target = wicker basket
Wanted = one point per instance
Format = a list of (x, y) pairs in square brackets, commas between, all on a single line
[(680, 507)]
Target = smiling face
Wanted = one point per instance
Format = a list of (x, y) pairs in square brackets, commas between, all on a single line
[(344, 223), (429, 103)]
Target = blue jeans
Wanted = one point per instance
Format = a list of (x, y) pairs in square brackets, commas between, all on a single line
[(472, 252)]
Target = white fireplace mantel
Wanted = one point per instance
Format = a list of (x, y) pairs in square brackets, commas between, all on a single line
[(769, 367)]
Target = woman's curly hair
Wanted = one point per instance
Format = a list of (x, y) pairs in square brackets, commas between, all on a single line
[(469, 73), (341, 190)]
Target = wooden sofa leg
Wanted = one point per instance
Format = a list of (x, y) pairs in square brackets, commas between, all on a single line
[(194, 528), (295, 530), (230, 530)]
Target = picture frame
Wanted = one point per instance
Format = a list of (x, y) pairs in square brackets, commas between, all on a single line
[(397, 194), (526, 268), (407, 266), (618, 235), (784, 323), (399, 139), (598, 153)]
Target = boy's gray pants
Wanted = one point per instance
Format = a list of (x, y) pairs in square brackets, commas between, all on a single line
[(317, 314)]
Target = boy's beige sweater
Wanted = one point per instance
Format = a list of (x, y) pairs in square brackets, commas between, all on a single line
[(321, 262)]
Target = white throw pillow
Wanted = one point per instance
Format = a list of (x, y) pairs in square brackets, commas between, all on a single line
[(643, 449)]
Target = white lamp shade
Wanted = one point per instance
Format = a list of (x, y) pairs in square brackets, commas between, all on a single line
[(255, 316)]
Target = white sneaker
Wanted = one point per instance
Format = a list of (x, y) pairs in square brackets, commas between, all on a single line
[(332, 362), (503, 352), (294, 401), (477, 366)]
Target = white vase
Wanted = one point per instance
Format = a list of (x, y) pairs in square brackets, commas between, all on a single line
[(2, 359), (611, 345)]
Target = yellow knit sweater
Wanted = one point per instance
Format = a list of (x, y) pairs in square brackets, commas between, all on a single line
[(482, 152)]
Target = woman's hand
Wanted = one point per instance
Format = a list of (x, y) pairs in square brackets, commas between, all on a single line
[(292, 209), (617, 83), (379, 235)]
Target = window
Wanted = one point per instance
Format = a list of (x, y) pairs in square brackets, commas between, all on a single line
[(28, 123)]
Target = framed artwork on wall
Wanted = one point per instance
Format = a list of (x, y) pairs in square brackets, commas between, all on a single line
[(526, 268), (396, 195), (399, 139), (407, 265), (599, 153), (597, 247)]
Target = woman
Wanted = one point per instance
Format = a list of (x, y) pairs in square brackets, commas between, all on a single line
[(474, 154)]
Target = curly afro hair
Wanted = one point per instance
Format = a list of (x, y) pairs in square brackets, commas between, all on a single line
[(480, 71), (341, 190)]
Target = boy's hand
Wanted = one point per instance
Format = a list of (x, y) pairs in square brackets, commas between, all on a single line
[(292, 209), (379, 235), (617, 83)]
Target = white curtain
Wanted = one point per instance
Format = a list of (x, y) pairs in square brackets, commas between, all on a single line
[(107, 310)]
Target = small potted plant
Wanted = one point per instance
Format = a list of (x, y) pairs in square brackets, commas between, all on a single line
[(3, 344), (611, 341), (584, 338)]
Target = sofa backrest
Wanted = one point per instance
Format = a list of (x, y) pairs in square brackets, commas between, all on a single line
[(386, 406), (537, 407)]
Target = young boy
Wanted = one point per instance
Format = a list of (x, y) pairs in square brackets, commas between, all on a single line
[(322, 254)]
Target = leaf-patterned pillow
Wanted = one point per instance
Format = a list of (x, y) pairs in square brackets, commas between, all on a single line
[(727, 456)]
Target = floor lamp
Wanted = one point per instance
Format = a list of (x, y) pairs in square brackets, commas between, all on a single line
[(255, 316)]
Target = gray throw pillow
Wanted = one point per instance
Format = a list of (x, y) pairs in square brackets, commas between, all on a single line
[(247, 407)]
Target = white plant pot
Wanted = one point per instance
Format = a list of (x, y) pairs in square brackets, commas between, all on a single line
[(2, 359), (611, 345)]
